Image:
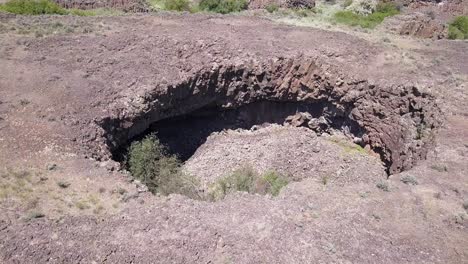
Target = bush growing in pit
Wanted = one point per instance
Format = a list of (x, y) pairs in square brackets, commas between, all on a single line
[(246, 179), (149, 162)]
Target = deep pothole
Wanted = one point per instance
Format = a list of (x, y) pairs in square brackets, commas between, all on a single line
[(184, 134), (293, 140), (394, 121)]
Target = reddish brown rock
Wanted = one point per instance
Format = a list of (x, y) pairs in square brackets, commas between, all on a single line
[(416, 24)]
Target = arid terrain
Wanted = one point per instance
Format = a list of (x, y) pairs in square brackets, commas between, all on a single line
[(369, 126)]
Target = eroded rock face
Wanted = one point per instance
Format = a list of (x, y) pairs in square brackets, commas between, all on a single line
[(397, 121), (416, 24)]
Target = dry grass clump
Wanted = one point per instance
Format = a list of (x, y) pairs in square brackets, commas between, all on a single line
[(408, 179), (246, 179)]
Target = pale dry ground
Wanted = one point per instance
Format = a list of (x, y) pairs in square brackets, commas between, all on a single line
[(308, 222)]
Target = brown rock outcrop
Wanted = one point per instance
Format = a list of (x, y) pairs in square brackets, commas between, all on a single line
[(416, 24)]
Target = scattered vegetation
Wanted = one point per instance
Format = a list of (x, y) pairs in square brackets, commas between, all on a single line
[(271, 8), (177, 5), (348, 147), (33, 215), (409, 179), (51, 166), (246, 179), (16, 185), (324, 180), (94, 12), (382, 11), (47, 7), (121, 191), (24, 102), (63, 184), (149, 162), (458, 29), (383, 186), (82, 205), (223, 6), (439, 168), (32, 7)]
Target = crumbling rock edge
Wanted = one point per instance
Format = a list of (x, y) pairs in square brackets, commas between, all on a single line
[(397, 121)]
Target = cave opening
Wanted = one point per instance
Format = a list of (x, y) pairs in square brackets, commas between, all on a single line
[(183, 134)]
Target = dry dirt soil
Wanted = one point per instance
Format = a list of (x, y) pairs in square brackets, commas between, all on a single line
[(74, 89)]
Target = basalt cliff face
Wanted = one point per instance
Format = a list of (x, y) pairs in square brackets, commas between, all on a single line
[(396, 121)]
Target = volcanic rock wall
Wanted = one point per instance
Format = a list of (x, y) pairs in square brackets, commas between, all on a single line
[(398, 122)]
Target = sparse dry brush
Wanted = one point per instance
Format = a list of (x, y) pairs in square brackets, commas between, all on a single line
[(246, 179), (149, 162)]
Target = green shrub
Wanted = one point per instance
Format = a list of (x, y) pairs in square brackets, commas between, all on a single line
[(149, 162), (271, 8), (383, 186), (370, 21), (274, 182), (408, 179), (246, 179), (458, 29), (94, 12), (177, 5), (223, 6), (32, 7), (43, 7)]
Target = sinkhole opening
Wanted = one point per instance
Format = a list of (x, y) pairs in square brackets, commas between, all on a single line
[(182, 135), (162, 156)]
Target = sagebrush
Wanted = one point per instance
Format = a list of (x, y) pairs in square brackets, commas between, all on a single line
[(149, 162), (246, 179)]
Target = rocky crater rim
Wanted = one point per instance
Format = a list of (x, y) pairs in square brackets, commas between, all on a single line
[(396, 121)]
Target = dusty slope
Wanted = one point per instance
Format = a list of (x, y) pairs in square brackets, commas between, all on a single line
[(58, 85)]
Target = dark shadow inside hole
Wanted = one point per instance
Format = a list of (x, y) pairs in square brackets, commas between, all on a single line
[(183, 135)]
